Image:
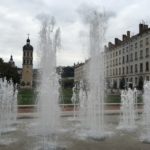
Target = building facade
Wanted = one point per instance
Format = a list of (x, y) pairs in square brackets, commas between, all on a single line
[(127, 60), (27, 66), (81, 71)]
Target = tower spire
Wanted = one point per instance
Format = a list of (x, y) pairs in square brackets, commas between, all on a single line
[(28, 40), (28, 35)]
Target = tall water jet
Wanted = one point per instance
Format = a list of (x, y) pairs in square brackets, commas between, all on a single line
[(48, 96), (8, 108), (128, 110), (74, 100), (94, 119), (82, 103), (146, 113)]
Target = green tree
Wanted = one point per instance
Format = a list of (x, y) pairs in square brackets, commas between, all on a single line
[(8, 71)]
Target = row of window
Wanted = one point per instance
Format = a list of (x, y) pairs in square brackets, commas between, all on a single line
[(27, 62), (130, 48), (129, 70), (27, 54), (133, 80), (129, 58)]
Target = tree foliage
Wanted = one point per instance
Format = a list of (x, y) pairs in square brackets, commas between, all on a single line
[(68, 72), (9, 71)]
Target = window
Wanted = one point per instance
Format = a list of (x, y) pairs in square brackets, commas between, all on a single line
[(136, 68), (141, 43), (131, 57), (135, 55), (123, 70), (123, 60), (116, 71), (119, 60), (136, 80), (147, 66), (141, 67), (126, 70), (119, 71), (116, 61), (127, 49), (113, 62), (127, 59), (24, 53), (147, 52), (135, 45), (131, 69), (116, 53), (147, 42), (141, 54), (123, 50), (119, 52)]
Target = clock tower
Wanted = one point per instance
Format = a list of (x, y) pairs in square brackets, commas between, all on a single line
[(27, 65)]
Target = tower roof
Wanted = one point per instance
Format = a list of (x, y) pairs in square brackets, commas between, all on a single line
[(28, 46), (11, 61)]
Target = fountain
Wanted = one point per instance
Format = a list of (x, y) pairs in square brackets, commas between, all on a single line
[(93, 122), (48, 96), (128, 110), (146, 114), (8, 108), (74, 100), (82, 103)]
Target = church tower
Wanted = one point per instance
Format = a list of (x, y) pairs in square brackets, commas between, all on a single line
[(27, 66)]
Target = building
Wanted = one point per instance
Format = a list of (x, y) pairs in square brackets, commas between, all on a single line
[(127, 60), (11, 61), (78, 72), (27, 66), (81, 71)]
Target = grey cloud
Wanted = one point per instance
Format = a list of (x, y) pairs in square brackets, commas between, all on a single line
[(18, 17)]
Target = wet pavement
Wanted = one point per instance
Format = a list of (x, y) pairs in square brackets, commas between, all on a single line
[(69, 136)]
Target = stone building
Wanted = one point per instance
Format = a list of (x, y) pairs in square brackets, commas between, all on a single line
[(127, 60), (80, 71), (27, 66)]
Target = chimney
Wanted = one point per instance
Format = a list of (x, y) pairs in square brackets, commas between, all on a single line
[(124, 37), (128, 34), (145, 27), (117, 41), (142, 28)]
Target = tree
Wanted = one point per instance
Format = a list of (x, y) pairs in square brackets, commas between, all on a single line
[(68, 72), (8, 71)]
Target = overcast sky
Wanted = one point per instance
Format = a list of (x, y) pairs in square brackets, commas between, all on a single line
[(18, 18)]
